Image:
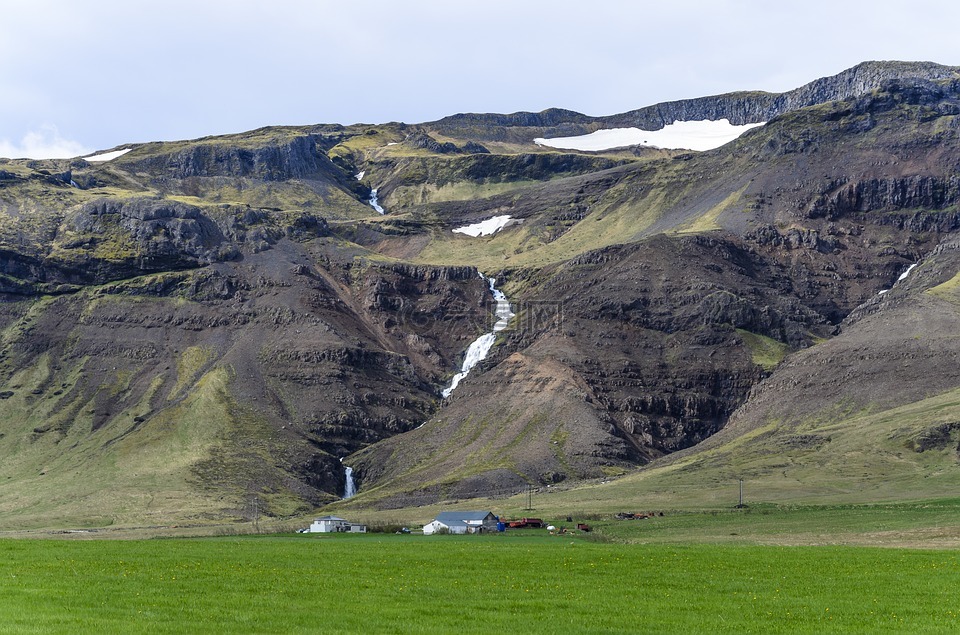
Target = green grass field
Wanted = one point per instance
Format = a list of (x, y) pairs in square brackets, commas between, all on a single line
[(471, 584)]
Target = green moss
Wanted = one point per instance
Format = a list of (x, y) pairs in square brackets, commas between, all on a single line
[(424, 193), (708, 222), (189, 364), (949, 290), (765, 351), (613, 471)]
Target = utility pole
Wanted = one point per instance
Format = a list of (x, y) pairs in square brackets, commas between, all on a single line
[(256, 514), (529, 496), (740, 504)]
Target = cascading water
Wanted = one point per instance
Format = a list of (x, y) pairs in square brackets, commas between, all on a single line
[(480, 348), (350, 487), (374, 202)]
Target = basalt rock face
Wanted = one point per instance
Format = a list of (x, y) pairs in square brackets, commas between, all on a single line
[(166, 234), (935, 194), (744, 108), (298, 158), (860, 80), (108, 239)]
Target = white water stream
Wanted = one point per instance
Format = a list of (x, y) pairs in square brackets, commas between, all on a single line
[(374, 202), (350, 488), (480, 347)]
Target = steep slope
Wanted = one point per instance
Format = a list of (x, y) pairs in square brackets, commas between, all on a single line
[(867, 416)]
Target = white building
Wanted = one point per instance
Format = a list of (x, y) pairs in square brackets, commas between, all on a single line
[(467, 522), (335, 524)]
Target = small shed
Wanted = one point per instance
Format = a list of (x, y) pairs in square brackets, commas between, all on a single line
[(335, 524), (464, 522)]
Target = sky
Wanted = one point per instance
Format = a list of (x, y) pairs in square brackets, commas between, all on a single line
[(78, 77)]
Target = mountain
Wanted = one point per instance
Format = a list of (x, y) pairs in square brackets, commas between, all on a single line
[(193, 326)]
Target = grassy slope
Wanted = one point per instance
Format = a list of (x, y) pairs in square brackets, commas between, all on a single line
[(611, 222), (116, 473)]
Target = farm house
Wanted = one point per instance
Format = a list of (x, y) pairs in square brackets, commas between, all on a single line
[(335, 524), (465, 522)]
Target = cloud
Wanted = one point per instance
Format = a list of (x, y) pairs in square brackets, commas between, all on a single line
[(44, 143)]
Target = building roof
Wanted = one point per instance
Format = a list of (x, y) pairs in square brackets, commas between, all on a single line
[(337, 518), (461, 517)]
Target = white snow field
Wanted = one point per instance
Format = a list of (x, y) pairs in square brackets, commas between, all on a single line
[(680, 135), (107, 156), (484, 228)]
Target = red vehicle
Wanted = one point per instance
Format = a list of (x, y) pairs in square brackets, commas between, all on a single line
[(524, 523)]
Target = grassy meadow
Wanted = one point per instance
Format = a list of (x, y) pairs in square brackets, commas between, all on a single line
[(468, 584)]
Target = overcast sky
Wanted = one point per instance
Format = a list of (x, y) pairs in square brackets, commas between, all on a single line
[(82, 76)]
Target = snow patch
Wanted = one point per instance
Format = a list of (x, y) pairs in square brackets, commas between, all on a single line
[(680, 135), (485, 228), (480, 347), (903, 276), (107, 156), (360, 174)]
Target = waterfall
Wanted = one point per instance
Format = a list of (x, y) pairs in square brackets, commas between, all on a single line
[(374, 203), (350, 489), (480, 347)]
